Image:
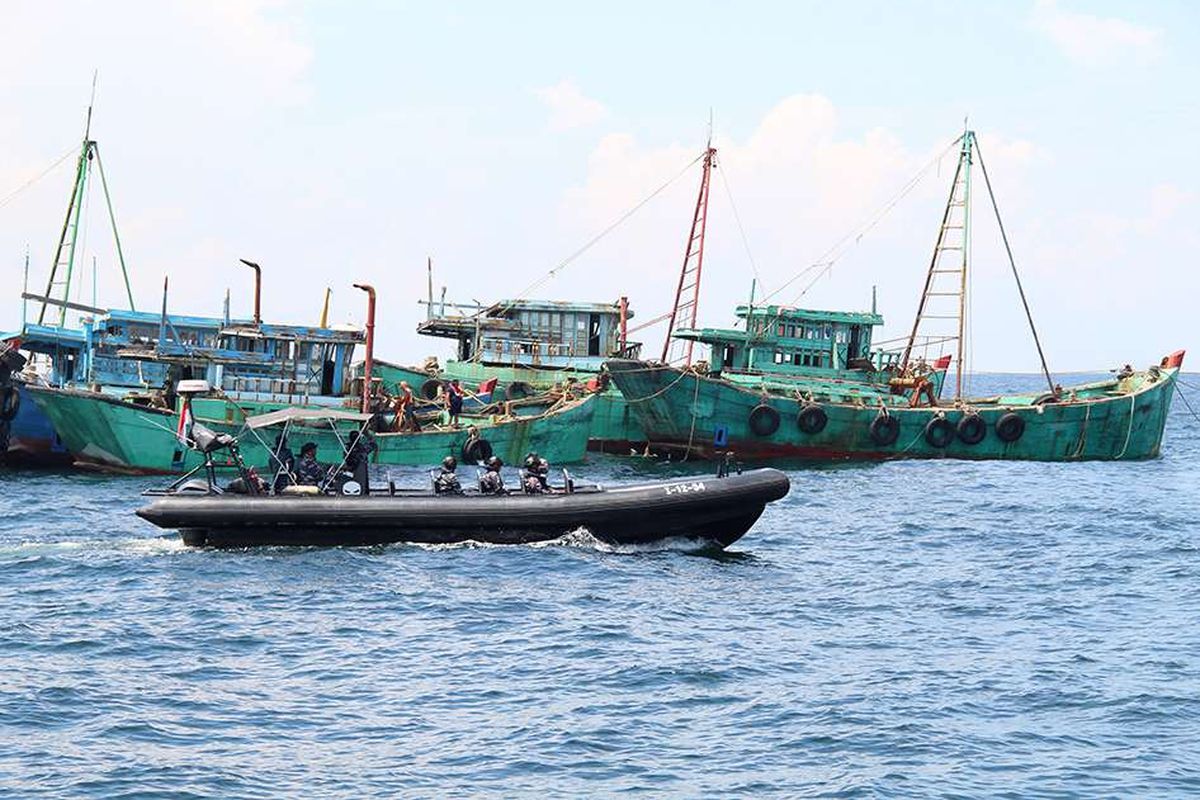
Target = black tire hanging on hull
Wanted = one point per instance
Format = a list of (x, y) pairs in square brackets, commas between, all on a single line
[(939, 432), (884, 430), (812, 419), (1010, 427), (971, 429), (764, 420)]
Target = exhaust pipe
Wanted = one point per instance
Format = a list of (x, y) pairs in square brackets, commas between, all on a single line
[(366, 387), (257, 289)]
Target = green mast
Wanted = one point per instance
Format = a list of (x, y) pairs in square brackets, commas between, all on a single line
[(64, 253)]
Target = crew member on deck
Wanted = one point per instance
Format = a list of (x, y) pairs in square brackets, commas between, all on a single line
[(309, 472), (446, 481), (454, 400), (405, 419), (492, 482)]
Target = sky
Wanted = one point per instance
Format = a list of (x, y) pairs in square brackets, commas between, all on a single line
[(349, 142)]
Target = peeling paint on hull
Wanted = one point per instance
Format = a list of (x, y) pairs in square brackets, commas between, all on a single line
[(1111, 421)]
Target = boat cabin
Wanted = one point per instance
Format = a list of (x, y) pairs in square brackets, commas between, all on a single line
[(117, 348), (287, 361), (791, 341), (534, 333), (137, 350)]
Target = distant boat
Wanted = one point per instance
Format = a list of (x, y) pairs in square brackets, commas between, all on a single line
[(803, 384)]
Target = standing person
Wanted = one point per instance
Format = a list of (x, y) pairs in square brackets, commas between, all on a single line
[(454, 398), (309, 471), (405, 420), (358, 458)]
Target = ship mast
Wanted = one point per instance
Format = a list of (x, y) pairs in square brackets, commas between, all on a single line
[(944, 296), (687, 293), (64, 253)]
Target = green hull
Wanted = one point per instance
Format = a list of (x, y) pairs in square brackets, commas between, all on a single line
[(615, 426), (109, 433), (1117, 419)]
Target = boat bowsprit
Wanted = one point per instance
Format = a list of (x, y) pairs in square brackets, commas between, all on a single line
[(717, 509)]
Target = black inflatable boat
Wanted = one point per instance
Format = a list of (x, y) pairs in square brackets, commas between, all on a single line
[(717, 509)]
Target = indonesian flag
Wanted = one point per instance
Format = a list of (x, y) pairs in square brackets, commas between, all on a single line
[(182, 433)]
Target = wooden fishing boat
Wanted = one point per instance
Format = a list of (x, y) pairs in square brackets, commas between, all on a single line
[(805, 384), (521, 347), (694, 413), (108, 432)]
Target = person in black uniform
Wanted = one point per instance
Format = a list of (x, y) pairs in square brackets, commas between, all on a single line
[(492, 482), (309, 472), (446, 481), (282, 463), (358, 458)]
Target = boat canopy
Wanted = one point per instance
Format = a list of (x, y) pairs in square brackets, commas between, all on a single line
[(297, 414)]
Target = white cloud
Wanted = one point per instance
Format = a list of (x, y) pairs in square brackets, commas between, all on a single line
[(569, 107), (1091, 40)]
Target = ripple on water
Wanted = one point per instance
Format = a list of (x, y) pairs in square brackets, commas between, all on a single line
[(888, 630)]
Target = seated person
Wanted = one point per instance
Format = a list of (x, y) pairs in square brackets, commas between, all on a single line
[(309, 472), (446, 481), (492, 482), (537, 466), (533, 484)]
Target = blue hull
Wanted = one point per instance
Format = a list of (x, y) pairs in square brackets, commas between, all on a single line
[(32, 440)]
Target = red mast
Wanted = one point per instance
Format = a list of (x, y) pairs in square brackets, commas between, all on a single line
[(687, 295)]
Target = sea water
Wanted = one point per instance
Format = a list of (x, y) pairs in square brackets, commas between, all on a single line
[(908, 629)]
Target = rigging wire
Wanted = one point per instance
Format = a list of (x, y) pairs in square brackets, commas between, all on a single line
[(741, 230), (826, 261), (553, 273), (1012, 263), (13, 194)]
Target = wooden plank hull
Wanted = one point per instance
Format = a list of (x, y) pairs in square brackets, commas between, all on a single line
[(108, 433), (616, 428), (702, 415)]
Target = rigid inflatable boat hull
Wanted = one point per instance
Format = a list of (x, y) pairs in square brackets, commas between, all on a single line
[(718, 510)]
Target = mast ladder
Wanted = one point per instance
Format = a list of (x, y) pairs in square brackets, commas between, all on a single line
[(687, 293), (944, 296)]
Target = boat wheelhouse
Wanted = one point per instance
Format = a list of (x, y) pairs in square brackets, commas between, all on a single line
[(535, 333), (792, 341)]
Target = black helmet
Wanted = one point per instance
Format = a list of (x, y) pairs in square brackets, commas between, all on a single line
[(450, 463), (532, 459), (309, 447), (494, 463)]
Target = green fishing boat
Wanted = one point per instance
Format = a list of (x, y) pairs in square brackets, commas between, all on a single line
[(518, 348), (804, 384), (115, 434)]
